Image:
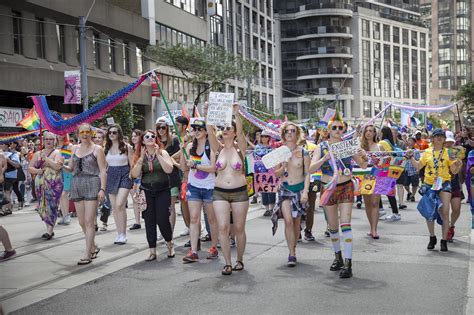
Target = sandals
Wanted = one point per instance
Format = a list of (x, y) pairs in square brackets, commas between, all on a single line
[(95, 253), (239, 266), (83, 261), (151, 257), (171, 253), (227, 271), (47, 236)]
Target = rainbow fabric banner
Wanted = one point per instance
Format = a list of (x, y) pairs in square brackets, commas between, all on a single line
[(8, 137), (31, 121), (260, 123), (61, 126)]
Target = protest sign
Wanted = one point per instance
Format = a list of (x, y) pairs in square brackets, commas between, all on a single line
[(329, 114), (345, 149), (277, 156), (219, 112), (110, 121), (266, 182), (174, 113)]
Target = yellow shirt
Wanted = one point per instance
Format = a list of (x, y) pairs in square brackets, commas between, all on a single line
[(309, 146), (444, 162), (386, 146)]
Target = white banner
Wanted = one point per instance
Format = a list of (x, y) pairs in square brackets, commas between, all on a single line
[(277, 156), (10, 117), (345, 149), (219, 112)]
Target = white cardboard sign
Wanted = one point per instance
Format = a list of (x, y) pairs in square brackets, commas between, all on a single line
[(280, 155), (346, 148), (219, 112)]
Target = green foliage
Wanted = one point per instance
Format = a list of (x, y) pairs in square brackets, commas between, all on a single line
[(318, 105), (466, 95), (207, 67), (124, 114)]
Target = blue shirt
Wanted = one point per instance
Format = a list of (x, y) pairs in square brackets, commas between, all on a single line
[(409, 168), (12, 157)]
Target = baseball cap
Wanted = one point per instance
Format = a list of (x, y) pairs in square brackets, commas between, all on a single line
[(163, 120), (438, 132), (266, 133), (198, 123), (449, 136)]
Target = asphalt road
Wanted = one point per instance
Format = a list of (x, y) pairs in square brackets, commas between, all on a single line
[(393, 275)]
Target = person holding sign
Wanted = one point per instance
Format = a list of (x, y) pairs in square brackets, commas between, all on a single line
[(337, 194), (439, 168), (230, 193), (293, 195), (201, 181), (268, 191)]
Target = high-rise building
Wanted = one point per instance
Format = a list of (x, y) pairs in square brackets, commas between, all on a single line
[(451, 46), (357, 54)]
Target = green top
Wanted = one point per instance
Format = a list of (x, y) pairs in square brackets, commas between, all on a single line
[(157, 177)]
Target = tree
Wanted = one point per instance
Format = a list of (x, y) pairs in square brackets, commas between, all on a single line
[(466, 95), (209, 67), (124, 114), (318, 105)]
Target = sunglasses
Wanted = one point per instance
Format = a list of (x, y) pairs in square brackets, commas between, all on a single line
[(287, 131), (224, 128), (113, 132), (85, 132), (149, 137), (337, 128), (199, 129), (161, 128)]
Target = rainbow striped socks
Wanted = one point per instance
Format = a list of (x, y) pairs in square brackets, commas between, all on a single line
[(346, 229)]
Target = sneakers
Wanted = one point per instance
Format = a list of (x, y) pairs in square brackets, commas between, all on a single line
[(7, 255), (212, 253), (450, 234), (67, 219), (308, 236), (121, 239), (267, 213), (185, 232), (190, 257), (291, 261), (409, 197), (135, 226), (412, 199), (206, 238), (103, 228), (382, 212), (400, 206), (393, 217), (359, 204), (187, 244)]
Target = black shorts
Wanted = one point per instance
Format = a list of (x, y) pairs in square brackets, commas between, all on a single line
[(402, 179), (413, 180)]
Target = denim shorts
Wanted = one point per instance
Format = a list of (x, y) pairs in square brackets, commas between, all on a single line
[(199, 194), (446, 187)]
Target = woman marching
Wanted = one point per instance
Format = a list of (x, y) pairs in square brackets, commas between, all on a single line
[(46, 165), (439, 168), (368, 142), (65, 148), (338, 200), (153, 166), (261, 149), (201, 181), (293, 195), (136, 138), (89, 172), (230, 196), (118, 155)]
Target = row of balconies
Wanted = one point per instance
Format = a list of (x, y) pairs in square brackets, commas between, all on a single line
[(320, 91), (316, 30), (316, 6), (316, 51)]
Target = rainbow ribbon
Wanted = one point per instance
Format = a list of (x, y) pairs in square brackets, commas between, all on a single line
[(331, 186), (260, 123), (8, 137), (60, 126)]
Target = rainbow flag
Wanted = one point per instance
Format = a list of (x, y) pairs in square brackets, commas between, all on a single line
[(8, 137), (196, 159), (66, 153), (31, 121)]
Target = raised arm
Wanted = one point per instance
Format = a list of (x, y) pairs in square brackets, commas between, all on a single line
[(317, 161), (241, 142)]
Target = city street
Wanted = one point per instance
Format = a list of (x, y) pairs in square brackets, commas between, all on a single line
[(395, 274)]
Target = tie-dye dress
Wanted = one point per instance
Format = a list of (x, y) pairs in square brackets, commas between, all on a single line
[(48, 188)]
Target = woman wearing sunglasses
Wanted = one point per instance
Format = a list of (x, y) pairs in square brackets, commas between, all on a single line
[(46, 165), (293, 195), (230, 196), (201, 181), (89, 170), (153, 167), (118, 155), (171, 145), (338, 208), (136, 138)]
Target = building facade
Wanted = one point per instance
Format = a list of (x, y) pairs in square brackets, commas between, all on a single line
[(356, 54)]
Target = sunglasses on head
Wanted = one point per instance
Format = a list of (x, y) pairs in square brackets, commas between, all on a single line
[(337, 128), (161, 127), (198, 129), (224, 128), (287, 131), (149, 137), (114, 132)]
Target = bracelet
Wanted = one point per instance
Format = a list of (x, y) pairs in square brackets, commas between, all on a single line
[(102, 189)]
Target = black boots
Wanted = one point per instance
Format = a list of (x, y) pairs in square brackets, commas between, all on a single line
[(337, 263), (444, 246), (346, 271), (432, 243)]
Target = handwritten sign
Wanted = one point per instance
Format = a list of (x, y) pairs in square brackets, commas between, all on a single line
[(174, 113), (266, 182), (277, 156), (345, 149), (219, 112), (329, 114)]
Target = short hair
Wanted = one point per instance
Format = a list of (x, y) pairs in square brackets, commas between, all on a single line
[(182, 120)]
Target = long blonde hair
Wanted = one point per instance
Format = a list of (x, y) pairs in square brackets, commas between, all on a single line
[(299, 132)]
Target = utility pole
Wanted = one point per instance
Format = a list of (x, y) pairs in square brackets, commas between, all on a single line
[(82, 58)]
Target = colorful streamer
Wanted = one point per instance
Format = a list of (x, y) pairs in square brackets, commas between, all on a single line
[(8, 137), (59, 126), (260, 123), (424, 108)]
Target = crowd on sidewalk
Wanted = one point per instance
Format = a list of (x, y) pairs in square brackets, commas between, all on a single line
[(206, 169)]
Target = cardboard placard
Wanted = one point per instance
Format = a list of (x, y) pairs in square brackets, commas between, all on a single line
[(277, 156), (266, 182), (219, 112), (110, 121), (345, 149)]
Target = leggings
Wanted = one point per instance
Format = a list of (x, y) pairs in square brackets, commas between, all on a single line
[(157, 212), (16, 189), (393, 204)]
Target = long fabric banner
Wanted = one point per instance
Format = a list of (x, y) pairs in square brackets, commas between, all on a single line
[(8, 137), (61, 126), (424, 108)]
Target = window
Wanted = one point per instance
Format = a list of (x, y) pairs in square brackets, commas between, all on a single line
[(422, 40), (365, 29), (139, 61), (61, 47), (414, 73), (387, 85), (17, 31), (396, 35), (95, 41), (40, 39), (376, 30), (406, 74), (386, 33), (126, 58), (367, 109), (405, 37), (423, 89), (366, 67), (414, 38), (112, 48), (396, 72)]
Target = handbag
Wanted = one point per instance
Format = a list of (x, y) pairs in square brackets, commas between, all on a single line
[(139, 199)]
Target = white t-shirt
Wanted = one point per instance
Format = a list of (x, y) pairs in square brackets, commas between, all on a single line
[(15, 157)]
